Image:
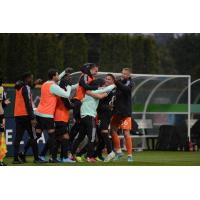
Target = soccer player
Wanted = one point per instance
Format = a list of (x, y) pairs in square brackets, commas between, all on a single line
[(3, 103), (104, 116), (88, 117), (61, 118), (89, 71), (122, 113), (50, 91), (24, 117)]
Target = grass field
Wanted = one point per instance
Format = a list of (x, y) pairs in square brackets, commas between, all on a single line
[(145, 158)]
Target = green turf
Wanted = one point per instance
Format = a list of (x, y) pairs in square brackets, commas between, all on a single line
[(145, 158)]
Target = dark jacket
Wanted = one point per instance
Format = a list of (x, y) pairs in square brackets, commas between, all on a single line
[(123, 101), (104, 109)]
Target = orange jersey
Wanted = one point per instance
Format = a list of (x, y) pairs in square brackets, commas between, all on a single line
[(61, 112), (48, 100), (20, 107), (80, 91)]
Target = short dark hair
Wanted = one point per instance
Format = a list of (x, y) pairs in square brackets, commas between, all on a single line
[(26, 75), (52, 73), (112, 76), (87, 66), (127, 69), (1, 81)]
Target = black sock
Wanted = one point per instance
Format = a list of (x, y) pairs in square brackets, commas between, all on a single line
[(52, 145), (65, 148), (45, 148)]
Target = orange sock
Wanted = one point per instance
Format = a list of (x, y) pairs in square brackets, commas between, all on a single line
[(128, 142), (116, 141)]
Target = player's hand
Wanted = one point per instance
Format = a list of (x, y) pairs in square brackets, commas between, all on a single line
[(68, 70), (7, 101), (33, 122), (2, 125), (38, 81)]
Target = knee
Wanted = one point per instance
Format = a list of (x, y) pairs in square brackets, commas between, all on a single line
[(127, 133)]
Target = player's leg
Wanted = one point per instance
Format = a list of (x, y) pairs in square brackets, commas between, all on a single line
[(108, 141), (33, 142), (91, 133), (126, 127), (80, 138), (62, 131), (76, 116), (20, 129), (100, 145), (115, 123), (37, 134)]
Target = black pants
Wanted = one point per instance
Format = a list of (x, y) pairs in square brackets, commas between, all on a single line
[(23, 123), (104, 137), (87, 127), (76, 115)]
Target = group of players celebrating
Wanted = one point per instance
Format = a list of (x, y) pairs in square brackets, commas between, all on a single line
[(100, 108)]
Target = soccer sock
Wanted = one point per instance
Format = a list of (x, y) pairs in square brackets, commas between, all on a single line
[(52, 145), (128, 142), (65, 147), (33, 144), (45, 149), (116, 142)]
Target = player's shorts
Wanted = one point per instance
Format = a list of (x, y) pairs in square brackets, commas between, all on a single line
[(61, 128), (124, 123), (1, 121), (45, 123)]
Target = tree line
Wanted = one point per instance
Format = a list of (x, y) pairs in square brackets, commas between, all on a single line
[(144, 54)]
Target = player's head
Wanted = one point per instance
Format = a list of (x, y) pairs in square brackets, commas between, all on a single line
[(126, 72), (93, 69), (53, 75), (109, 79), (89, 68), (27, 78), (98, 82)]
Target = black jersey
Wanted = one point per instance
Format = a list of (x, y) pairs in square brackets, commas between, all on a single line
[(106, 104)]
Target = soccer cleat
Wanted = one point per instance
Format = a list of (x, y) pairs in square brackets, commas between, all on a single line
[(130, 159), (17, 162), (118, 156), (110, 156), (55, 160), (91, 160), (43, 158), (22, 157), (2, 164), (78, 159), (99, 159), (68, 160), (40, 161)]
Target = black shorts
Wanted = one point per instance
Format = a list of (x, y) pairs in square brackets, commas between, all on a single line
[(104, 122), (62, 128), (45, 123), (1, 121)]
